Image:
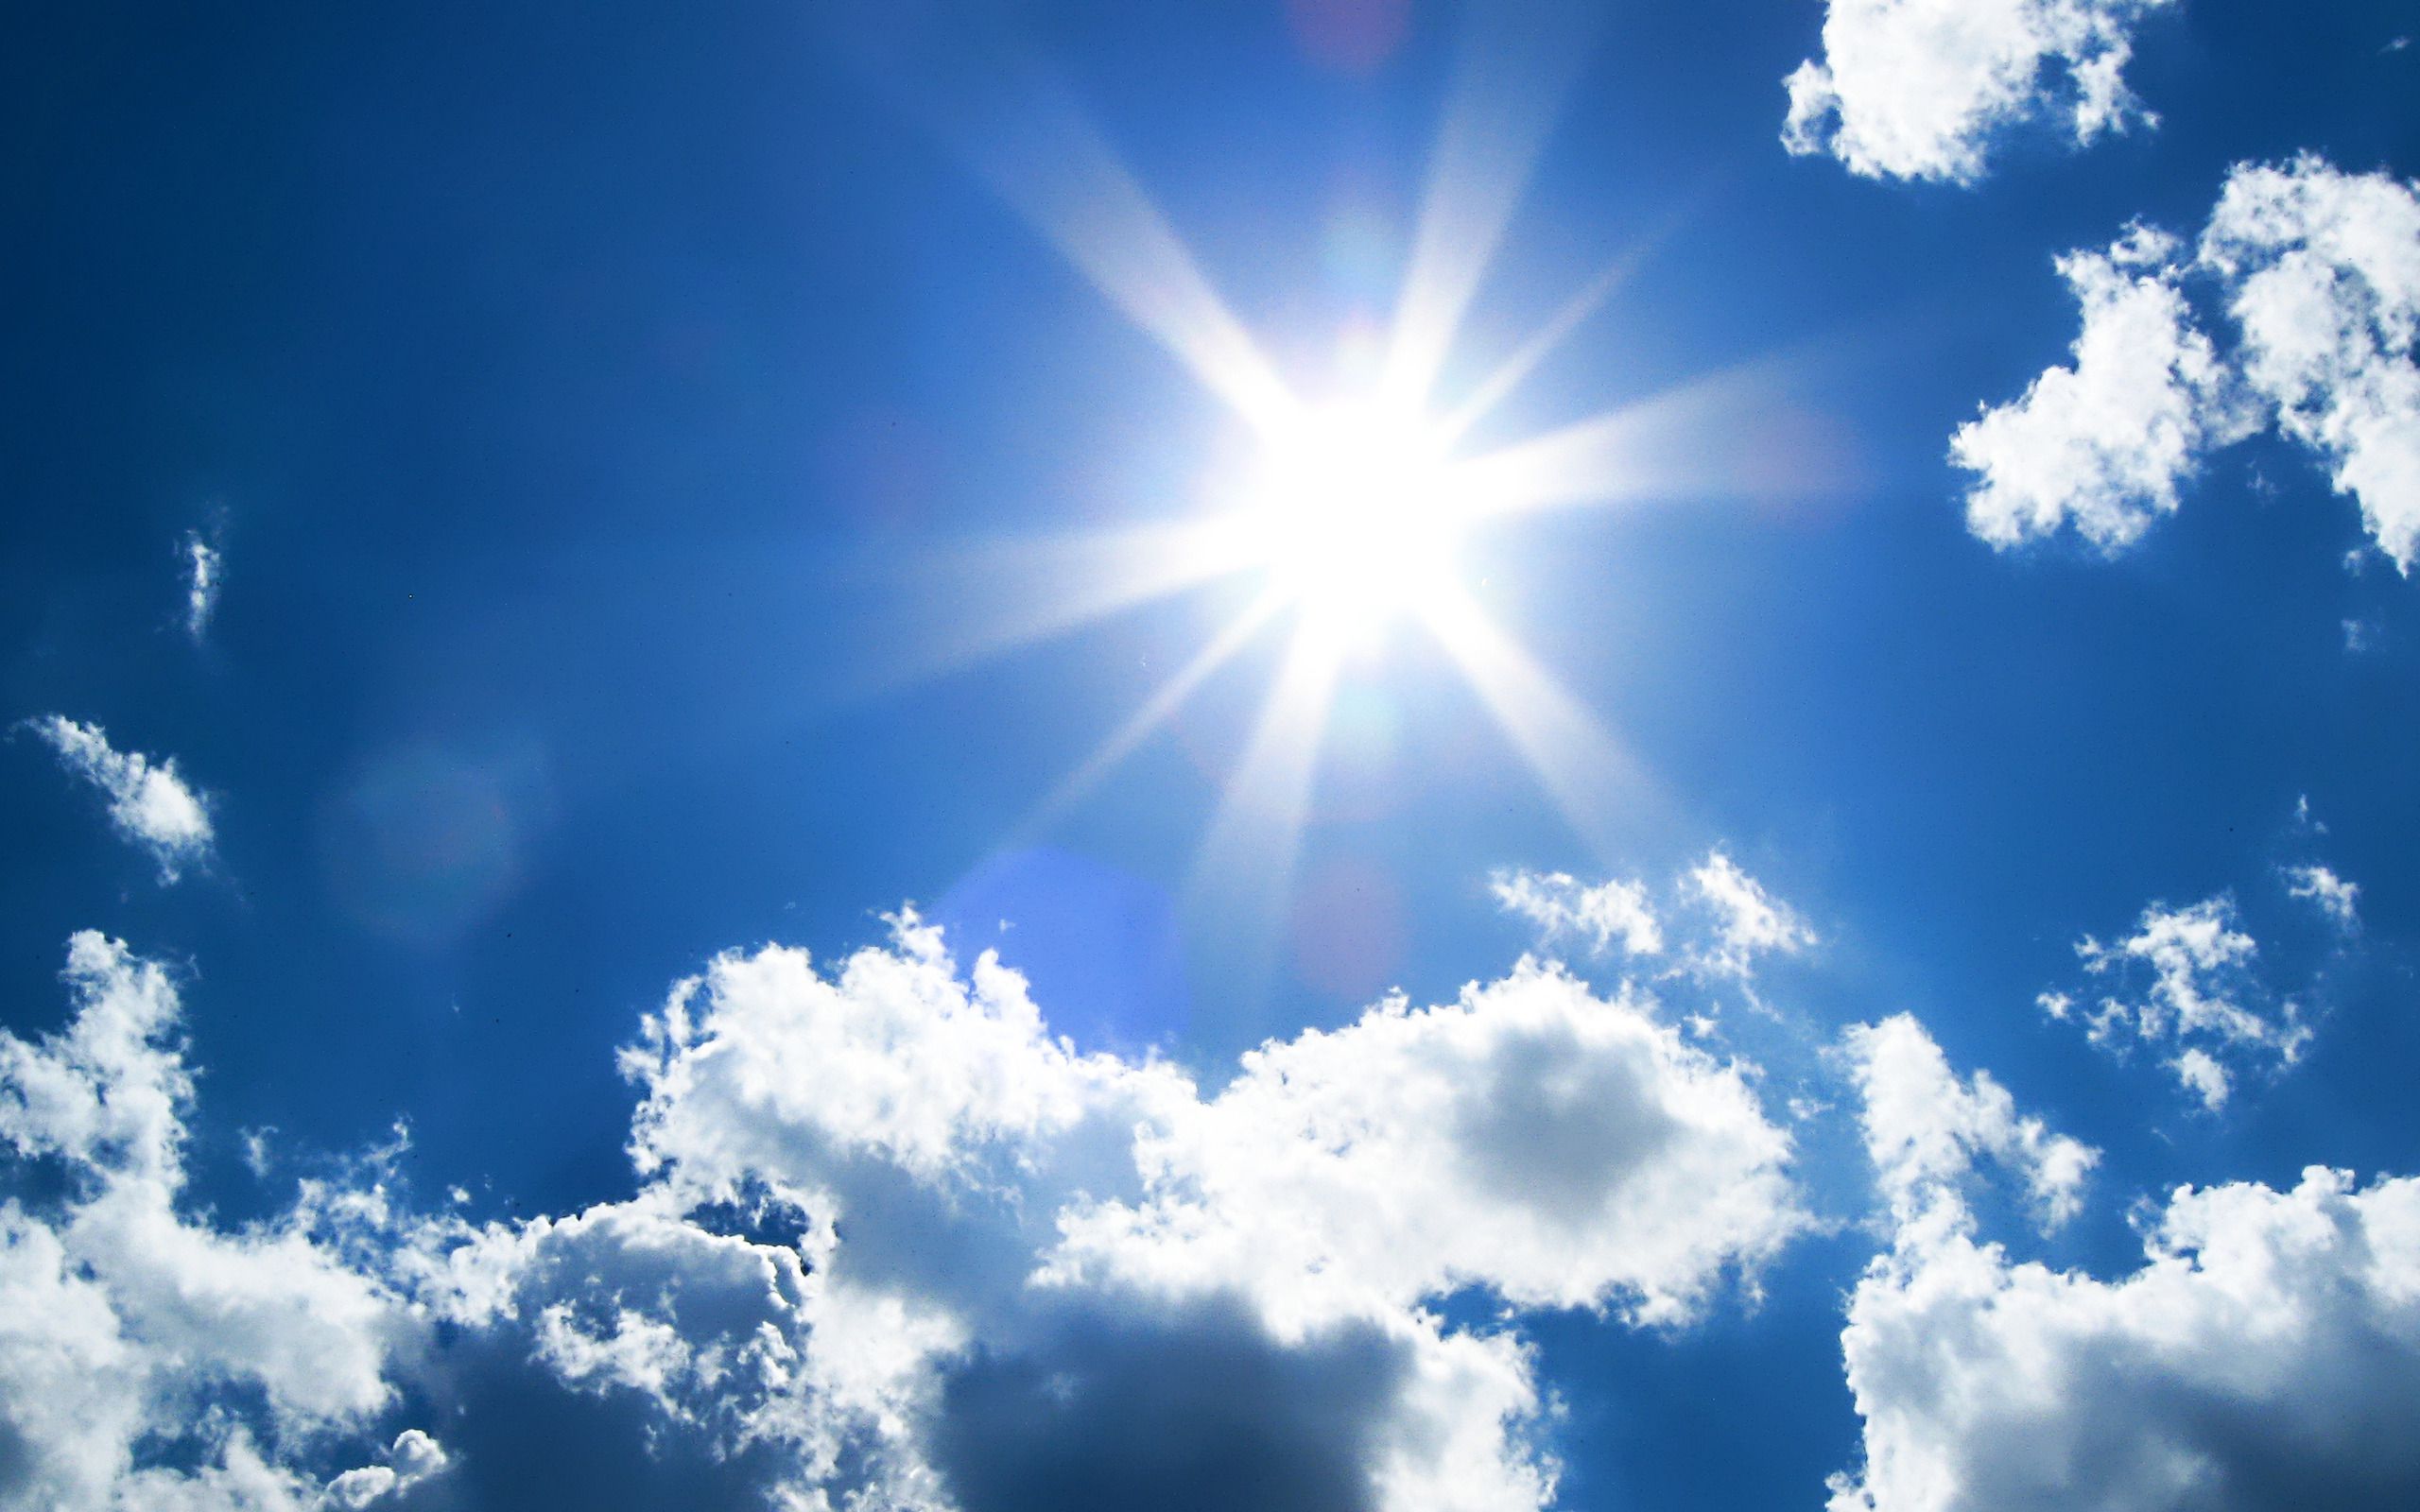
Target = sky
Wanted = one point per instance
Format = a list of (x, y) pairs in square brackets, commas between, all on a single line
[(1332, 754)]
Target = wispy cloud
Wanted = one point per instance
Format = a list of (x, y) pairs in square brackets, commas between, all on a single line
[(149, 804), (205, 567)]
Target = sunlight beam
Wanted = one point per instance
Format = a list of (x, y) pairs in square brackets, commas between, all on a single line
[(1738, 433), (1170, 697), (1243, 875), (1516, 62), (993, 597), (1601, 789)]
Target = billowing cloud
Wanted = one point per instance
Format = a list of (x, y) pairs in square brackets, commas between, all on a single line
[(149, 804), (1919, 89), (2104, 444), (2320, 273), (895, 1234), (147, 1358), (2266, 1354), (1610, 913), (2322, 276)]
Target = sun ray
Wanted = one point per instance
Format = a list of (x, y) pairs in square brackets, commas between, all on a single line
[(1603, 792), (1714, 438), (1243, 871), (993, 597), (1163, 702), (1510, 373), (1516, 62)]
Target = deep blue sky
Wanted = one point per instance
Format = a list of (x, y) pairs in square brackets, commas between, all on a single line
[(590, 405)]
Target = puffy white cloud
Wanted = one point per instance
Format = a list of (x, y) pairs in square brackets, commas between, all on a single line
[(1557, 1147), (1918, 89), (2104, 443), (1923, 1127), (2323, 269), (894, 1245), (1749, 921), (2336, 898), (149, 804), (1563, 907), (130, 1335), (1034, 1274), (414, 1457), (2266, 1354), (2321, 272)]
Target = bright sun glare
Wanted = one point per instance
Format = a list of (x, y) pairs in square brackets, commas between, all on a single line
[(1350, 516)]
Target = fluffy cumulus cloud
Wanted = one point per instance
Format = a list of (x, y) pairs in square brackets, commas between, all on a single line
[(2332, 895), (2318, 274), (1610, 913), (892, 1245), (2104, 443), (2267, 1354), (1919, 89), (149, 804), (1036, 1277), (2323, 274), (147, 1359)]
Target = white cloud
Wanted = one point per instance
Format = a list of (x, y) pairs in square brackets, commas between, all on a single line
[(130, 1334), (205, 568), (413, 1458), (1562, 907), (2199, 996), (1918, 89), (1558, 1148), (1923, 1127), (2336, 898), (2267, 1354), (149, 804), (1014, 1257), (2323, 269), (2102, 444), (2321, 272), (1749, 921)]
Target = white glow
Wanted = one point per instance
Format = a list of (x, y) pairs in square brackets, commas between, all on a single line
[(1350, 514)]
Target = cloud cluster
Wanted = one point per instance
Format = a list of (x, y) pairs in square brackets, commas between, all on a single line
[(1563, 907), (1919, 89), (2266, 1354), (894, 1245), (149, 804), (2319, 273), (1038, 1276)]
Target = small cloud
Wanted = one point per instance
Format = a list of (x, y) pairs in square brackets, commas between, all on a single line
[(149, 804), (2359, 635), (205, 568), (1751, 921), (2204, 1076), (2397, 46), (2335, 897), (1605, 915)]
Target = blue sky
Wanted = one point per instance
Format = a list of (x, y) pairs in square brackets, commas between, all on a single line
[(1806, 907)]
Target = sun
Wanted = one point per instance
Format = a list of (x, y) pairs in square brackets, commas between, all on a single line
[(1350, 514)]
